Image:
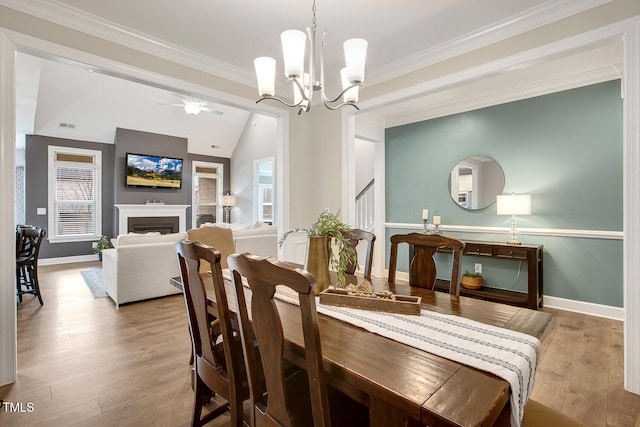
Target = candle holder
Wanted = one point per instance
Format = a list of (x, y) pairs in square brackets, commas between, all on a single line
[(437, 228), (426, 226)]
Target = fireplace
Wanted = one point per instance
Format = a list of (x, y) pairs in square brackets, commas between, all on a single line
[(152, 217), (147, 224)]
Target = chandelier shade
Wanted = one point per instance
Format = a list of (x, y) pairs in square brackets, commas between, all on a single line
[(266, 73), (355, 55), (298, 46)]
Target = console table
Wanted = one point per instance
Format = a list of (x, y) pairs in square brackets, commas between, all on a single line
[(531, 254)]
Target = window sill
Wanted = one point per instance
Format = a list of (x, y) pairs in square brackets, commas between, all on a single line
[(73, 239)]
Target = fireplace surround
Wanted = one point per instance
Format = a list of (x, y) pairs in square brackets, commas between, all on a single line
[(152, 217)]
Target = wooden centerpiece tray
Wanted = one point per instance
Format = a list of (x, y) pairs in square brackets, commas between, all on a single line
[(402, 304)]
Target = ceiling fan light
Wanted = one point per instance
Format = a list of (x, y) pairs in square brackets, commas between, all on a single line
[(266, 75), (352, 94), (355, 55), (192, 107), (293, 46)]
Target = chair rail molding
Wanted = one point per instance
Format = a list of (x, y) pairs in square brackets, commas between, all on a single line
[(556, 232)]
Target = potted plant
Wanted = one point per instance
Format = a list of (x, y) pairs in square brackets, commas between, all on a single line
[(102, 244), (472, 280), (328, 246)]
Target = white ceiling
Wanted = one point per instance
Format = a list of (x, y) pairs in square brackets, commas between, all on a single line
[(403, 35)]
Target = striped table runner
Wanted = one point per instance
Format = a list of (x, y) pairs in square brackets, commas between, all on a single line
[(510, 355)]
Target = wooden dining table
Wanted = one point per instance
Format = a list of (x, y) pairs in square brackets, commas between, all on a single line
[(399, 383)]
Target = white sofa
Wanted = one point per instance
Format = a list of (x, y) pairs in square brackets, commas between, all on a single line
[(258, 239), (140, 265)]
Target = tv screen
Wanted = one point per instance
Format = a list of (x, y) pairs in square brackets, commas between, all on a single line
[(153, 171)]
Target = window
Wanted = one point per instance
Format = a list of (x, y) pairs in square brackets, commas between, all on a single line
[(263, 183), (75, 194), (207, 187)]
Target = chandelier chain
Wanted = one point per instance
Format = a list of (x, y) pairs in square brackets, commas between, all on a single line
[(313, 20)]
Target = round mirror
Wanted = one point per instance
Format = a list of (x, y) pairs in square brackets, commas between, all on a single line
[(475, 182)]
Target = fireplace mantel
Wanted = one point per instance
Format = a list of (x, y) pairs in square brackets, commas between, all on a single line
[(153, 210)]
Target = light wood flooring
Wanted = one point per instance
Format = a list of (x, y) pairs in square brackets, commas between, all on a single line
[(81, 362)]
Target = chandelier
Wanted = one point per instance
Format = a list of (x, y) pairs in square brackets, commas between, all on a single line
[(304, 82)]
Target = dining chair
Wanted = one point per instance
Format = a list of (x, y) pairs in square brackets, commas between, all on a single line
[(422, 265), (218, 366), (28, 241), (355, 236), (279, 399)]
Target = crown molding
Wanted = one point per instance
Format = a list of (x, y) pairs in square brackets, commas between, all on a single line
[(534, 18), (75, 19), (586, 78)]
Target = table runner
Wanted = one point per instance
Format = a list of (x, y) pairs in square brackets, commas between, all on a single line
[(510, 355)]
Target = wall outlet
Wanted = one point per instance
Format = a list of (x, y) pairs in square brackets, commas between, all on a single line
[(93, 245), (478, 268), (41, 211)]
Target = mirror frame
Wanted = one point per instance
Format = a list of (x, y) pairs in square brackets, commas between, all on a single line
[(467, 161)]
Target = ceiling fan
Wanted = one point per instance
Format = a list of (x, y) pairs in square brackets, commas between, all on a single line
[(194, 106)]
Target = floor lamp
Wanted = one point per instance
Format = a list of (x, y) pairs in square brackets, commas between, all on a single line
[(228, 201)]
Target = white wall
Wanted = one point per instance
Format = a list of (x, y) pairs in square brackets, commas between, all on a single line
[(257, 142), (364, 154)]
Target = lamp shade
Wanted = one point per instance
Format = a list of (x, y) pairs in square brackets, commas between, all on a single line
[(228, 200), (352, 94), (514, 204), (266, 75), (355, 55), (293, 44)]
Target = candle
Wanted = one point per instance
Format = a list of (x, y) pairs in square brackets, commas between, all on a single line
[(425, 214), (436, 220)]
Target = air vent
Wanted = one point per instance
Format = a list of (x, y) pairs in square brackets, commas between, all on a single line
[(215, 146), (67, 125)]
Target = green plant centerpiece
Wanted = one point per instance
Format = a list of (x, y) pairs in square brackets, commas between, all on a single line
[(472, 280), (328, 246), (101, 245)]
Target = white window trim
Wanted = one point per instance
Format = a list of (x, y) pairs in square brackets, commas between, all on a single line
[(219, 186), (257, 206), (51, 188)]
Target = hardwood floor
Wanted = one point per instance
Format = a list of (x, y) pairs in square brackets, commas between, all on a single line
[(81, 362)]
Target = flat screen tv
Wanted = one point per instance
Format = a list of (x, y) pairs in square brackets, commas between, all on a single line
[(143, 170)]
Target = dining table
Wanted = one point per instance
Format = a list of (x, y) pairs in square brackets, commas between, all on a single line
[(403, 385)]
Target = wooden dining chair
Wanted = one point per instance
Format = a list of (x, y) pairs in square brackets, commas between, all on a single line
[(278, 399), (422, 266), (28, 241), (218, 366), (356, 236)]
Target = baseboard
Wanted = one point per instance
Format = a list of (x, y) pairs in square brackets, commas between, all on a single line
[(67, 259), (599, 310)]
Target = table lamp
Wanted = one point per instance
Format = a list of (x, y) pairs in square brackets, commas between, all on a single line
[(514, 205), (228, 201)]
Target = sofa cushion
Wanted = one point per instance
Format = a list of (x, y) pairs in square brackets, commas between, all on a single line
[(139, 239)]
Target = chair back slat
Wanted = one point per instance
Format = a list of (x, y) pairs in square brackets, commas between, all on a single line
[(422, 266), (265, 327), (355, 236)]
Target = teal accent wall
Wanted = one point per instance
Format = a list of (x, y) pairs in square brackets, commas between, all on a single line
[(565, 149)]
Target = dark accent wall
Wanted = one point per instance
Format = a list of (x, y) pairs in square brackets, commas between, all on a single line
[(113, 177), (36, 190)]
